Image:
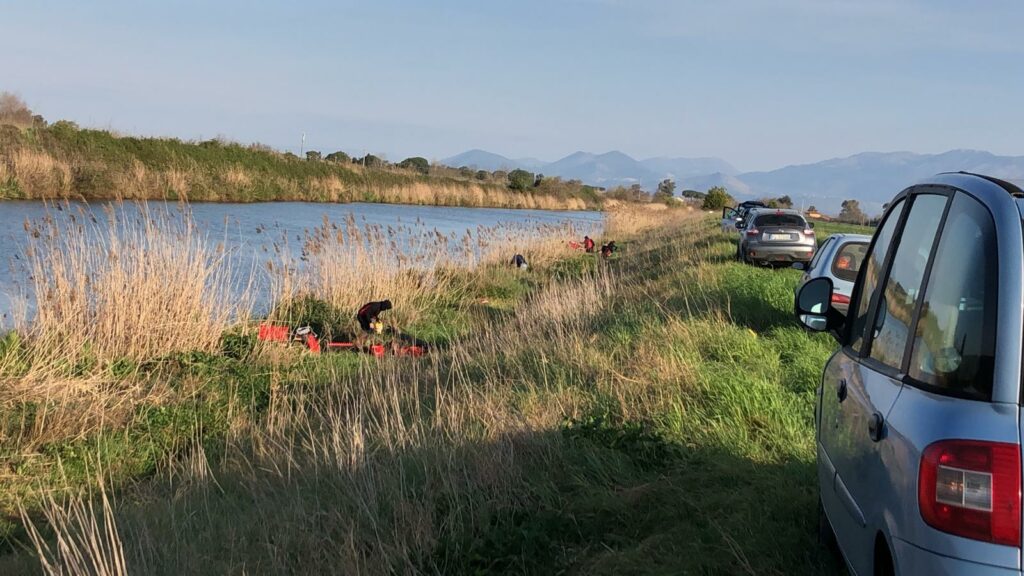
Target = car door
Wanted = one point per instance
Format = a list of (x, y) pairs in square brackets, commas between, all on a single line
[(865, 379), (950, 370), (729, 216), (817, 259)]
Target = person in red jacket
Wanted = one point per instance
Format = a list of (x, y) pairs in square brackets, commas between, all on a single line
[(588, 244)]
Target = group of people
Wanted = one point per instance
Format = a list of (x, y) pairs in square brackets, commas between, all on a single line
[(368, 315), (606, 249)]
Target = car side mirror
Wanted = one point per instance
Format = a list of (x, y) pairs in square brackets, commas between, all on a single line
[(799, 266), (813, 303), (739, 224)]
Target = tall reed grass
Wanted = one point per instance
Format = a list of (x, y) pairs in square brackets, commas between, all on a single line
[(599, 397)]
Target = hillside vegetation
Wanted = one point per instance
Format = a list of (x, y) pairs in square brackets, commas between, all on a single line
[(648, 414), (40, 161)]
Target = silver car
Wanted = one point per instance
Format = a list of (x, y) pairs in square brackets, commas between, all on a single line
[(770, 236), (839, 258), (918, 415)]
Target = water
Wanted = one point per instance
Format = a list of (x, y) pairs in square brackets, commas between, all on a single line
[(251, 230)]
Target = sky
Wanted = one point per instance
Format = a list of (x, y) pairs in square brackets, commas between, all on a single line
[(760, 84)]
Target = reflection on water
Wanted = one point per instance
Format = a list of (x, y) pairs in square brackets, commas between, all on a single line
[(253, 233)]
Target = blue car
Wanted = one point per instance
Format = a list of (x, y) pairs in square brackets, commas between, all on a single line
[(918, 414)]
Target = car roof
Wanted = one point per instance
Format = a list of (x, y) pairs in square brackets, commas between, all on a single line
[(764, 210), (847, 237)]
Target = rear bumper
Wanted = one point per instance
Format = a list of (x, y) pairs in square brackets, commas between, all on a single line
[(913, 560), (788, 253)]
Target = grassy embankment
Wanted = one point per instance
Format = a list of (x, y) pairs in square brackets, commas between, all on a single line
[(63, 161), (651, 414)]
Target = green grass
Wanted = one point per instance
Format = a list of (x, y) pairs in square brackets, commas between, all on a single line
[(824, 229), (670, 433)]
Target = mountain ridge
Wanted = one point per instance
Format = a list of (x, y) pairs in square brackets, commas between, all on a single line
[(871, 177)]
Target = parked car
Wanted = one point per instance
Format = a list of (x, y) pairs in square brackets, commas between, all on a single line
[(839, 258), (918, 415), (772, 236), (730, 216)]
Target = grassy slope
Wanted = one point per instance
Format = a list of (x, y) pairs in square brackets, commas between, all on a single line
[(681, 443), (64, 161)]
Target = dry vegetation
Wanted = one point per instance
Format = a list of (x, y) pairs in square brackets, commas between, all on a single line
[(61, 161), (648, 414)]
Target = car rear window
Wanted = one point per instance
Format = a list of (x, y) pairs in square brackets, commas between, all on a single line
[(846, 264), (794, 220)]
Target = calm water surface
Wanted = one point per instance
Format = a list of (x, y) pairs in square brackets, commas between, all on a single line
[(250, 230)]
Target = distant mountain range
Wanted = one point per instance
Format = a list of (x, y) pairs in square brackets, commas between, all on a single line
[(609, 169), (873, 178)]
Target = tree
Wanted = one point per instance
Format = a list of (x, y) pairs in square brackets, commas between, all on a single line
[(851, 212), (784, 201), (417, 163), (666, 191), (371, 161), (520, 179), (339, 157), (716, 199), (14, 111), (482, 175), (693, 194), (313, 156)]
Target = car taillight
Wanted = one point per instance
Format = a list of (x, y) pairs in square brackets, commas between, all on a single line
[(808, 232), (840, 299), (753, 232), (972, 489)]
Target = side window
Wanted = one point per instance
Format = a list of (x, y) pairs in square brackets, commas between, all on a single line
[(874, 263), (955, 339), (903, 287), (821, 250), (846, 264)]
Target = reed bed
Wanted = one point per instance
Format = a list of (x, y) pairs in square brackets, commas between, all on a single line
[(134, 284)]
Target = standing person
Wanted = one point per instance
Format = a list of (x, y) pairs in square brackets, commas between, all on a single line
[(588, 244)]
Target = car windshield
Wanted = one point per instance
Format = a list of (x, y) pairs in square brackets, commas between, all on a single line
[(846, 264), (780, 220)]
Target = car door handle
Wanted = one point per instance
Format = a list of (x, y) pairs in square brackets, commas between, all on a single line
[(841, 390), (876, 427)]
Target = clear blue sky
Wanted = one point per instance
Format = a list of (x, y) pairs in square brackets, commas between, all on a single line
[(759, 83)]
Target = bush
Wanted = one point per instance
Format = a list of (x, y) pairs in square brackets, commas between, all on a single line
[(716, 199), (416, 163), (520, 180), (339, 157), (313, 156)]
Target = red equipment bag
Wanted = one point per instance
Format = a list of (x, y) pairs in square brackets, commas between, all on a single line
[(273, 332)]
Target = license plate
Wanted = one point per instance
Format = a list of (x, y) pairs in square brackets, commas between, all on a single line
[(778, 236)]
